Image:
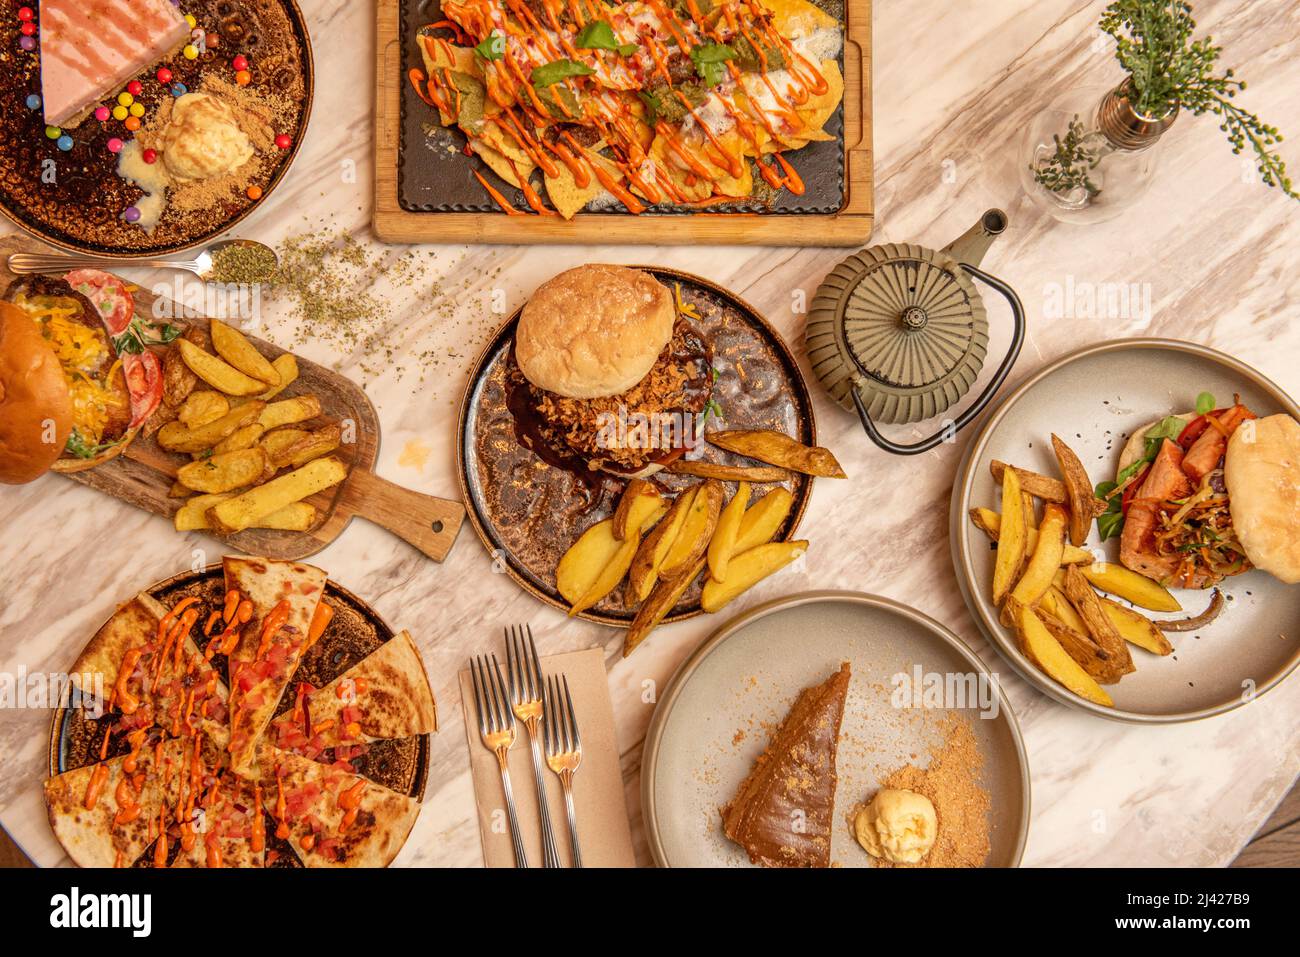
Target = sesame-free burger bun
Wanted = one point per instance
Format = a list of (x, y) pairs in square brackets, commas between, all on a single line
[(594, 331), (1262, 472), (35, 407)]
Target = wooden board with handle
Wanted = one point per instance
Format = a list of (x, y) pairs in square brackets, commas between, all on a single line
[(850, 226), (144, 473)]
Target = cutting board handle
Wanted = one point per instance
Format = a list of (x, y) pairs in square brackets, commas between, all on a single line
[(429, 523)]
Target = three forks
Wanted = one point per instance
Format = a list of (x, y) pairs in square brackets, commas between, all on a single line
[(545, 706)]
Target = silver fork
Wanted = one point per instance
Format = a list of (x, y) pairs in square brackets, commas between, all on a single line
[(526, 698), (496, 724), (564, 750)]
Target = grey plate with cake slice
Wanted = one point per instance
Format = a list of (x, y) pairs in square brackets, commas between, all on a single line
[(718, 712), (1095, 399)]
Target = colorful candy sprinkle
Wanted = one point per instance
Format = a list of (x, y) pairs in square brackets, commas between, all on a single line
[(254, 193), (64, 142), (27, 43), (53, 132), (149, 156), (189, 18), (126, 99), (120, 113), (102, 113), (213, 40), (239, 63), (131, 214), (164, 75), (114, 144), (191, 51), (26, 13), (284, 141), (243, 78), (137, 109), (132, 123), (28, 29), (179, 89), (33, 101), (135, 88)]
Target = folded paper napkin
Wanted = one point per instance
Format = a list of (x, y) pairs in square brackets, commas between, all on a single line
[(603, 831)]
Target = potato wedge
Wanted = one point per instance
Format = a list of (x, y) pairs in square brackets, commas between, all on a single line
[(696, 530), (777, 448), (1099, 665), (1011, 538), (244, 510), (636, 489), (1084, 505), (1040, 486), (1046, 653), (311, 445), (723, 543), (179, 491), (762, 520), (1043, 561), (201, 407), (1088, 605), (218, 373), (1129, 585), (244, 438), (747, 570), (730, 473), (192, 516), (654, 547), (1057, 605), (286, 367), (233, 346), (645, 511), (989, 521), (175, 437), (1137, 629), (289, 411), (585, 559), (661, 600), (223, 471), (276, 441), (178, 379)]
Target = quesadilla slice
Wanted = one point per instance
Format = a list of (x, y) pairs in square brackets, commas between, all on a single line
[(284, 596), (332, 817), (105, 814)]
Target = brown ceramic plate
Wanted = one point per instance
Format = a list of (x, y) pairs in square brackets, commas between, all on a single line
[(354, 632), (714, 719), (1094, 399), (527, 513), (82, 210)]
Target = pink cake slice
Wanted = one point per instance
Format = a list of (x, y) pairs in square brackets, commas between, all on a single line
[(90, 48)]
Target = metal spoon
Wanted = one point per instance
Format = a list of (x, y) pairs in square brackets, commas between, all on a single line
[(201, 266)]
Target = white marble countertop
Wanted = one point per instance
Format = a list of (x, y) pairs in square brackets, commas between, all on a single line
[(954, 86)]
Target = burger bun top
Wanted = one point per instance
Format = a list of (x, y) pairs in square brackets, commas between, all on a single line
[(35, 407), (1262, 472)]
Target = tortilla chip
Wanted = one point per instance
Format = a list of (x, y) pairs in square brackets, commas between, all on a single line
[(799, 18), (496, 162), (566, 195), (692, 187), (504, 144), (818, 109)]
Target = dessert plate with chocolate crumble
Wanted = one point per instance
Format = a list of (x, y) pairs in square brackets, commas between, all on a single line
[(134, 128)]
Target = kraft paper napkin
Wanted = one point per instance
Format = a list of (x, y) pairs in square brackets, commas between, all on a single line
[(603, 830)]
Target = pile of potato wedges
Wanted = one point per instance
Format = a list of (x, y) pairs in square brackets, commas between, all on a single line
[(1050, 590), (254, 460), (662, 544)]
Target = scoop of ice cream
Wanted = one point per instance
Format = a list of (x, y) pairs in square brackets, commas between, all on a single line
[(203, 139), (898, 826)]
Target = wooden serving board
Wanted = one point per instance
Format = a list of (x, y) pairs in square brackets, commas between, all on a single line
[(850, 226), (144, 473)]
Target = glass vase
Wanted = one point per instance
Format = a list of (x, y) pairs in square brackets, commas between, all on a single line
[(1090, 155)]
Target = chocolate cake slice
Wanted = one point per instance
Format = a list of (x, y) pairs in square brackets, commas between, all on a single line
[(782, 813)]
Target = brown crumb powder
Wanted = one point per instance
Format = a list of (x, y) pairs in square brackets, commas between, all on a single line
[(962, 806)]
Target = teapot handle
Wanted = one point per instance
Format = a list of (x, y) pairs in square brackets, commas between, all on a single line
[(950, 431)]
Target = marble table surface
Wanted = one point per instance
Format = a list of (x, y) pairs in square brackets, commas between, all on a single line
[(954, 86)]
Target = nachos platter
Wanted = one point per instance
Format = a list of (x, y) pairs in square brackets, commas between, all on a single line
[(207, 738), (652, 104)]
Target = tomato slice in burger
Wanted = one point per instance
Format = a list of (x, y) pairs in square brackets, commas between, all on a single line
[(108, 294), (144, 383)]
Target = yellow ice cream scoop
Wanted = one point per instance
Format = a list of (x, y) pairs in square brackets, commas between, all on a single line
[(899, 826), (203, 139)]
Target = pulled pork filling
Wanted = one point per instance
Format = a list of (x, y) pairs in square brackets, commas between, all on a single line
[(646, 423)]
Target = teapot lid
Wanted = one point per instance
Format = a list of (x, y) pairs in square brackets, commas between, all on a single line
[(902, 324)]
